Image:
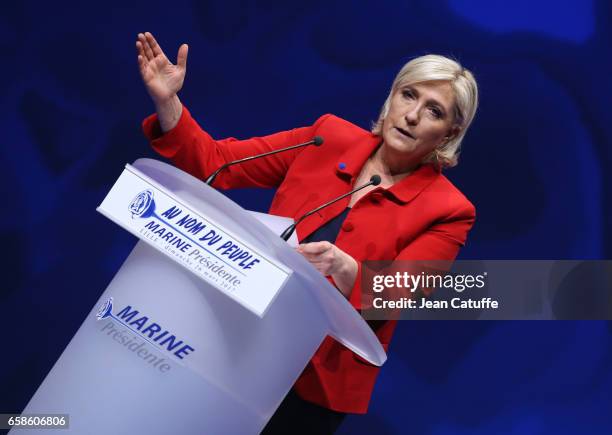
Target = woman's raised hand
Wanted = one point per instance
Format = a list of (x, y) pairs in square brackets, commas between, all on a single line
[(162, 78)]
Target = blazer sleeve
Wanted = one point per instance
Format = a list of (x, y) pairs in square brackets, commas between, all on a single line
[(441, 241), (193, 150)]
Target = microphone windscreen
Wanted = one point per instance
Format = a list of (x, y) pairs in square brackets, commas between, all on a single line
[(375, 180), (317, 140)]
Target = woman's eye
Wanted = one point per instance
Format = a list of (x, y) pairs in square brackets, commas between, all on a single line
[(407, 93), (437, 113)]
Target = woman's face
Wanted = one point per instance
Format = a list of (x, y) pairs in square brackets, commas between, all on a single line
[(420, 118)]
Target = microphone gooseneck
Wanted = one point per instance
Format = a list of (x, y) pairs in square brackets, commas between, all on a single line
[(316, 141), (374, 181)]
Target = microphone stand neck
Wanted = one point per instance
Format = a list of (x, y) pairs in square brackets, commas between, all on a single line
[(289, 231)]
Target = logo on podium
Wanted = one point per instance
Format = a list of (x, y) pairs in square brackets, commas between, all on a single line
[(144, 327), (106, 310), (143, 205)]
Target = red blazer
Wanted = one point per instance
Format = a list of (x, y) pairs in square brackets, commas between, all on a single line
[(423, 217)]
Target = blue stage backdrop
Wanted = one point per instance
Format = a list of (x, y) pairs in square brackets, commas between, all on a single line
[(534, 164)]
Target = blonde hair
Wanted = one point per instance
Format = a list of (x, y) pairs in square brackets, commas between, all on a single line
[(433, 67)]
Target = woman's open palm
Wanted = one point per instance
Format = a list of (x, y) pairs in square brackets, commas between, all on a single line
[(162, 78)]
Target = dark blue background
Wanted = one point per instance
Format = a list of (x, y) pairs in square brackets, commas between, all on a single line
[(534, 164)]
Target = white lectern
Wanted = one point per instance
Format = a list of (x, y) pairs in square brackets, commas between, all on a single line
[(205, 327)]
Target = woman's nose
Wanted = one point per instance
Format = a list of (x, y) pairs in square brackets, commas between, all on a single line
[(412, 116)]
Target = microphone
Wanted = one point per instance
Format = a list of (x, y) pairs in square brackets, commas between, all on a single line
[(374, 181), (317, 141)]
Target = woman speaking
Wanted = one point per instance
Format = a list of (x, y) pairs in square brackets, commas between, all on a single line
[(415, 213)]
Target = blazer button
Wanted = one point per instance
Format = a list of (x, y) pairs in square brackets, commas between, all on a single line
[(347, 226)]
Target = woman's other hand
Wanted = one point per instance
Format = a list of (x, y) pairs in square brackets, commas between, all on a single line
[(330, 260), (162, 79)]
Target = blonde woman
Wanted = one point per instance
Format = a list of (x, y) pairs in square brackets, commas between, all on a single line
[(414, 214)]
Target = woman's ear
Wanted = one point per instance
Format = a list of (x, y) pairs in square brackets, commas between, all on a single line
[(453, 133)]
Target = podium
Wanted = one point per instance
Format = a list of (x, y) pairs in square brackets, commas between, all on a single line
[(167, 349)]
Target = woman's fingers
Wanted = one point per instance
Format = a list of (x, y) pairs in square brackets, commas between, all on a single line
[(155, 48), (319, 254), (140, 42), (317, 258), (181, 57), (315, 248), (141, 63), (146, 47), (141, 53)]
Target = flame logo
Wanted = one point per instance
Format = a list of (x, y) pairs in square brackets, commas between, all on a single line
[(143, 205), (105, 310)]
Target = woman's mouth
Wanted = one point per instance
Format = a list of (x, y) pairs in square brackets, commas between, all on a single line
[(404, 132)]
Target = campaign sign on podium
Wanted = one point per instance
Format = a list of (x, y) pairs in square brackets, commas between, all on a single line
[(146, 209), (205, 342)]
